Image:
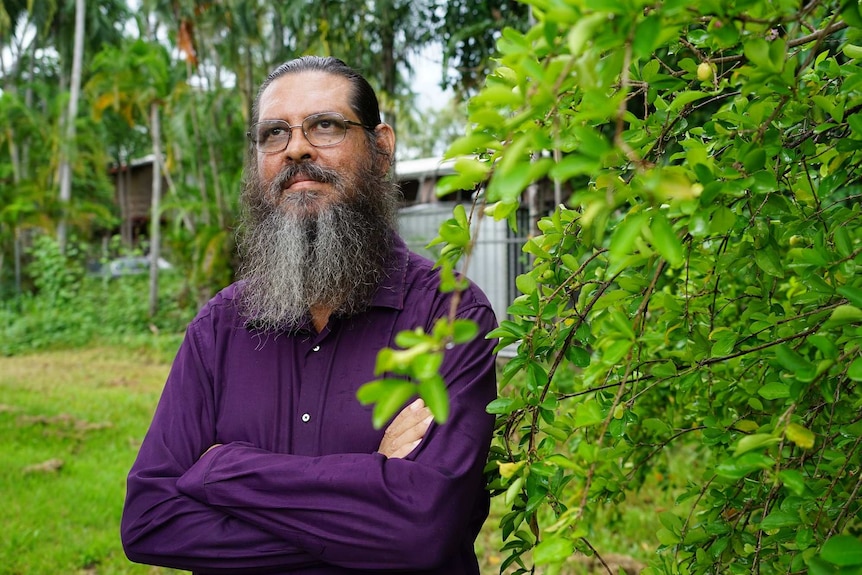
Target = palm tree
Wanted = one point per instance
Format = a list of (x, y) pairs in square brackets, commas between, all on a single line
[(68, 146), (136, 81)]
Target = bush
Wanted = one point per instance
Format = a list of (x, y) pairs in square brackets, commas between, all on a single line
[(73, 309), (700, 287)]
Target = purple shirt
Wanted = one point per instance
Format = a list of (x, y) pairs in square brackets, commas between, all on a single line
[(297, 486)]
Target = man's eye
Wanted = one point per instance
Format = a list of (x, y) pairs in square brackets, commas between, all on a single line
[(326, 125)]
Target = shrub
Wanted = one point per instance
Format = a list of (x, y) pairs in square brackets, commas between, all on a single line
[(71, 308), (700, 287)]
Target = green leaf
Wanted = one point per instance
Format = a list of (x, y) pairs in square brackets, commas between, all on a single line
[(842, 550), (553, 549), (625, 234), (433, 392), (755, 441), (498, 96), (778, 519), (508, 329), (684, 98), (795, 363), (665, 240), (774, 390), (757, 51), (647, 35), (578, 356), (507, 184), (817, 566), (671, 522), (738, 467), (537, 377), (563, 461), (854, 372), (574, 164), (426, 365), (514, 490), (623, 324), (852, 293), (722, 221), (579, 34), (801, 436), (503, 406), (388, 395), (666, 537), (473, 169), (464, 330), (754, 160), (793, 480), (454, 234), (768, 260), (459, 214), (526, 283), (409, 338), (616, 351), (587, 414), (843, 315), (725, 340)]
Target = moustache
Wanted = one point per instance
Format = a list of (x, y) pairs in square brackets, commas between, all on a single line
[(304, 170)]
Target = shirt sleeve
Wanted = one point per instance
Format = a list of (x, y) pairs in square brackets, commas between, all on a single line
[(160, 525)]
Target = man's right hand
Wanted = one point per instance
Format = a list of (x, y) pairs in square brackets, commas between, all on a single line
[(406, 430)]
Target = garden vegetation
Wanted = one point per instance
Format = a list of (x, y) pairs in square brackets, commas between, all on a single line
[(694, 298)]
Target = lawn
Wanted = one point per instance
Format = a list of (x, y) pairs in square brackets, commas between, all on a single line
[(72, 422)]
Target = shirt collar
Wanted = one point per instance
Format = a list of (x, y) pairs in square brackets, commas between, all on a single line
[(390, 292)]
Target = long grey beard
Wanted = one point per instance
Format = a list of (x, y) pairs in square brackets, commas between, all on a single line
[(297, 258)]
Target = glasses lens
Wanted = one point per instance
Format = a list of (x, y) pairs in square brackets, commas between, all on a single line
[(271, 136), (325, 129)]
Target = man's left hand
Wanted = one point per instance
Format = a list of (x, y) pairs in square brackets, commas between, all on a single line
[(406, 430)]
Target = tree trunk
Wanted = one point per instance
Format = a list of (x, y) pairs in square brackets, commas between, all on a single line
[(198, 153), (155, 208), (389, 63), (69, 144)]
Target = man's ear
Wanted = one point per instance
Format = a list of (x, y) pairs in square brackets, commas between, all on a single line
[(386, 143)]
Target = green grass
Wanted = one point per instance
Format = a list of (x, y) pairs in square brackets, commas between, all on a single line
[(90, 408)]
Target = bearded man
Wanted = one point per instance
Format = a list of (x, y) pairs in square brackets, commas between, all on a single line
[(259, 458)]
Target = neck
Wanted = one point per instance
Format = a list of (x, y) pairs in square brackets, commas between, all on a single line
[(320, 317)]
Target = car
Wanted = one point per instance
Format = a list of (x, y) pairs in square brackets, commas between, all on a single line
[(133, 265)]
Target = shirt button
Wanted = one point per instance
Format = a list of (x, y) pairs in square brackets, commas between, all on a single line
[(315, 348), (305, 417)]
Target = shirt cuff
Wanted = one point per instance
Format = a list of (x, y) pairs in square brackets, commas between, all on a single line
[(192, 483)]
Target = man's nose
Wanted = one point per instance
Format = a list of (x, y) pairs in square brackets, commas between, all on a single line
[(298, 147)]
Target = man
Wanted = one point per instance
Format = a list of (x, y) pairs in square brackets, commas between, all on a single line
[(259, 458)]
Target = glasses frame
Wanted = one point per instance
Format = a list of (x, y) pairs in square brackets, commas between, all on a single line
[(287, 126)]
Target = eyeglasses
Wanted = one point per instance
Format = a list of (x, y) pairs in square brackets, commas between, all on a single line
[(321, 130)]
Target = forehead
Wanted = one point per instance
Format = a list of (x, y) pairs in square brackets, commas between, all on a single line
[(294, 96)]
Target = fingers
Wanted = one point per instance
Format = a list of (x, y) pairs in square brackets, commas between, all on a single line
[(406, 430), (408, 418)]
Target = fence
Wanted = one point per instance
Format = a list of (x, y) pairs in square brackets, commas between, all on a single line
[(497, 257)]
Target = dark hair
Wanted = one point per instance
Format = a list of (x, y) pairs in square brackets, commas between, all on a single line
[(363, 101)]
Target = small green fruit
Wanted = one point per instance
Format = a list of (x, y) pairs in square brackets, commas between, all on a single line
[(705, 71)]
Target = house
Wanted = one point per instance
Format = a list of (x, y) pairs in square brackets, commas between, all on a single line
[(133, 183)]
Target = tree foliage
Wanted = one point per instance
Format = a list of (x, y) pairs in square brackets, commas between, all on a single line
[(200, 64), (699, 290)]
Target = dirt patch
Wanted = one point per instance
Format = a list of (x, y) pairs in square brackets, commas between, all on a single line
[(49, 466)]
